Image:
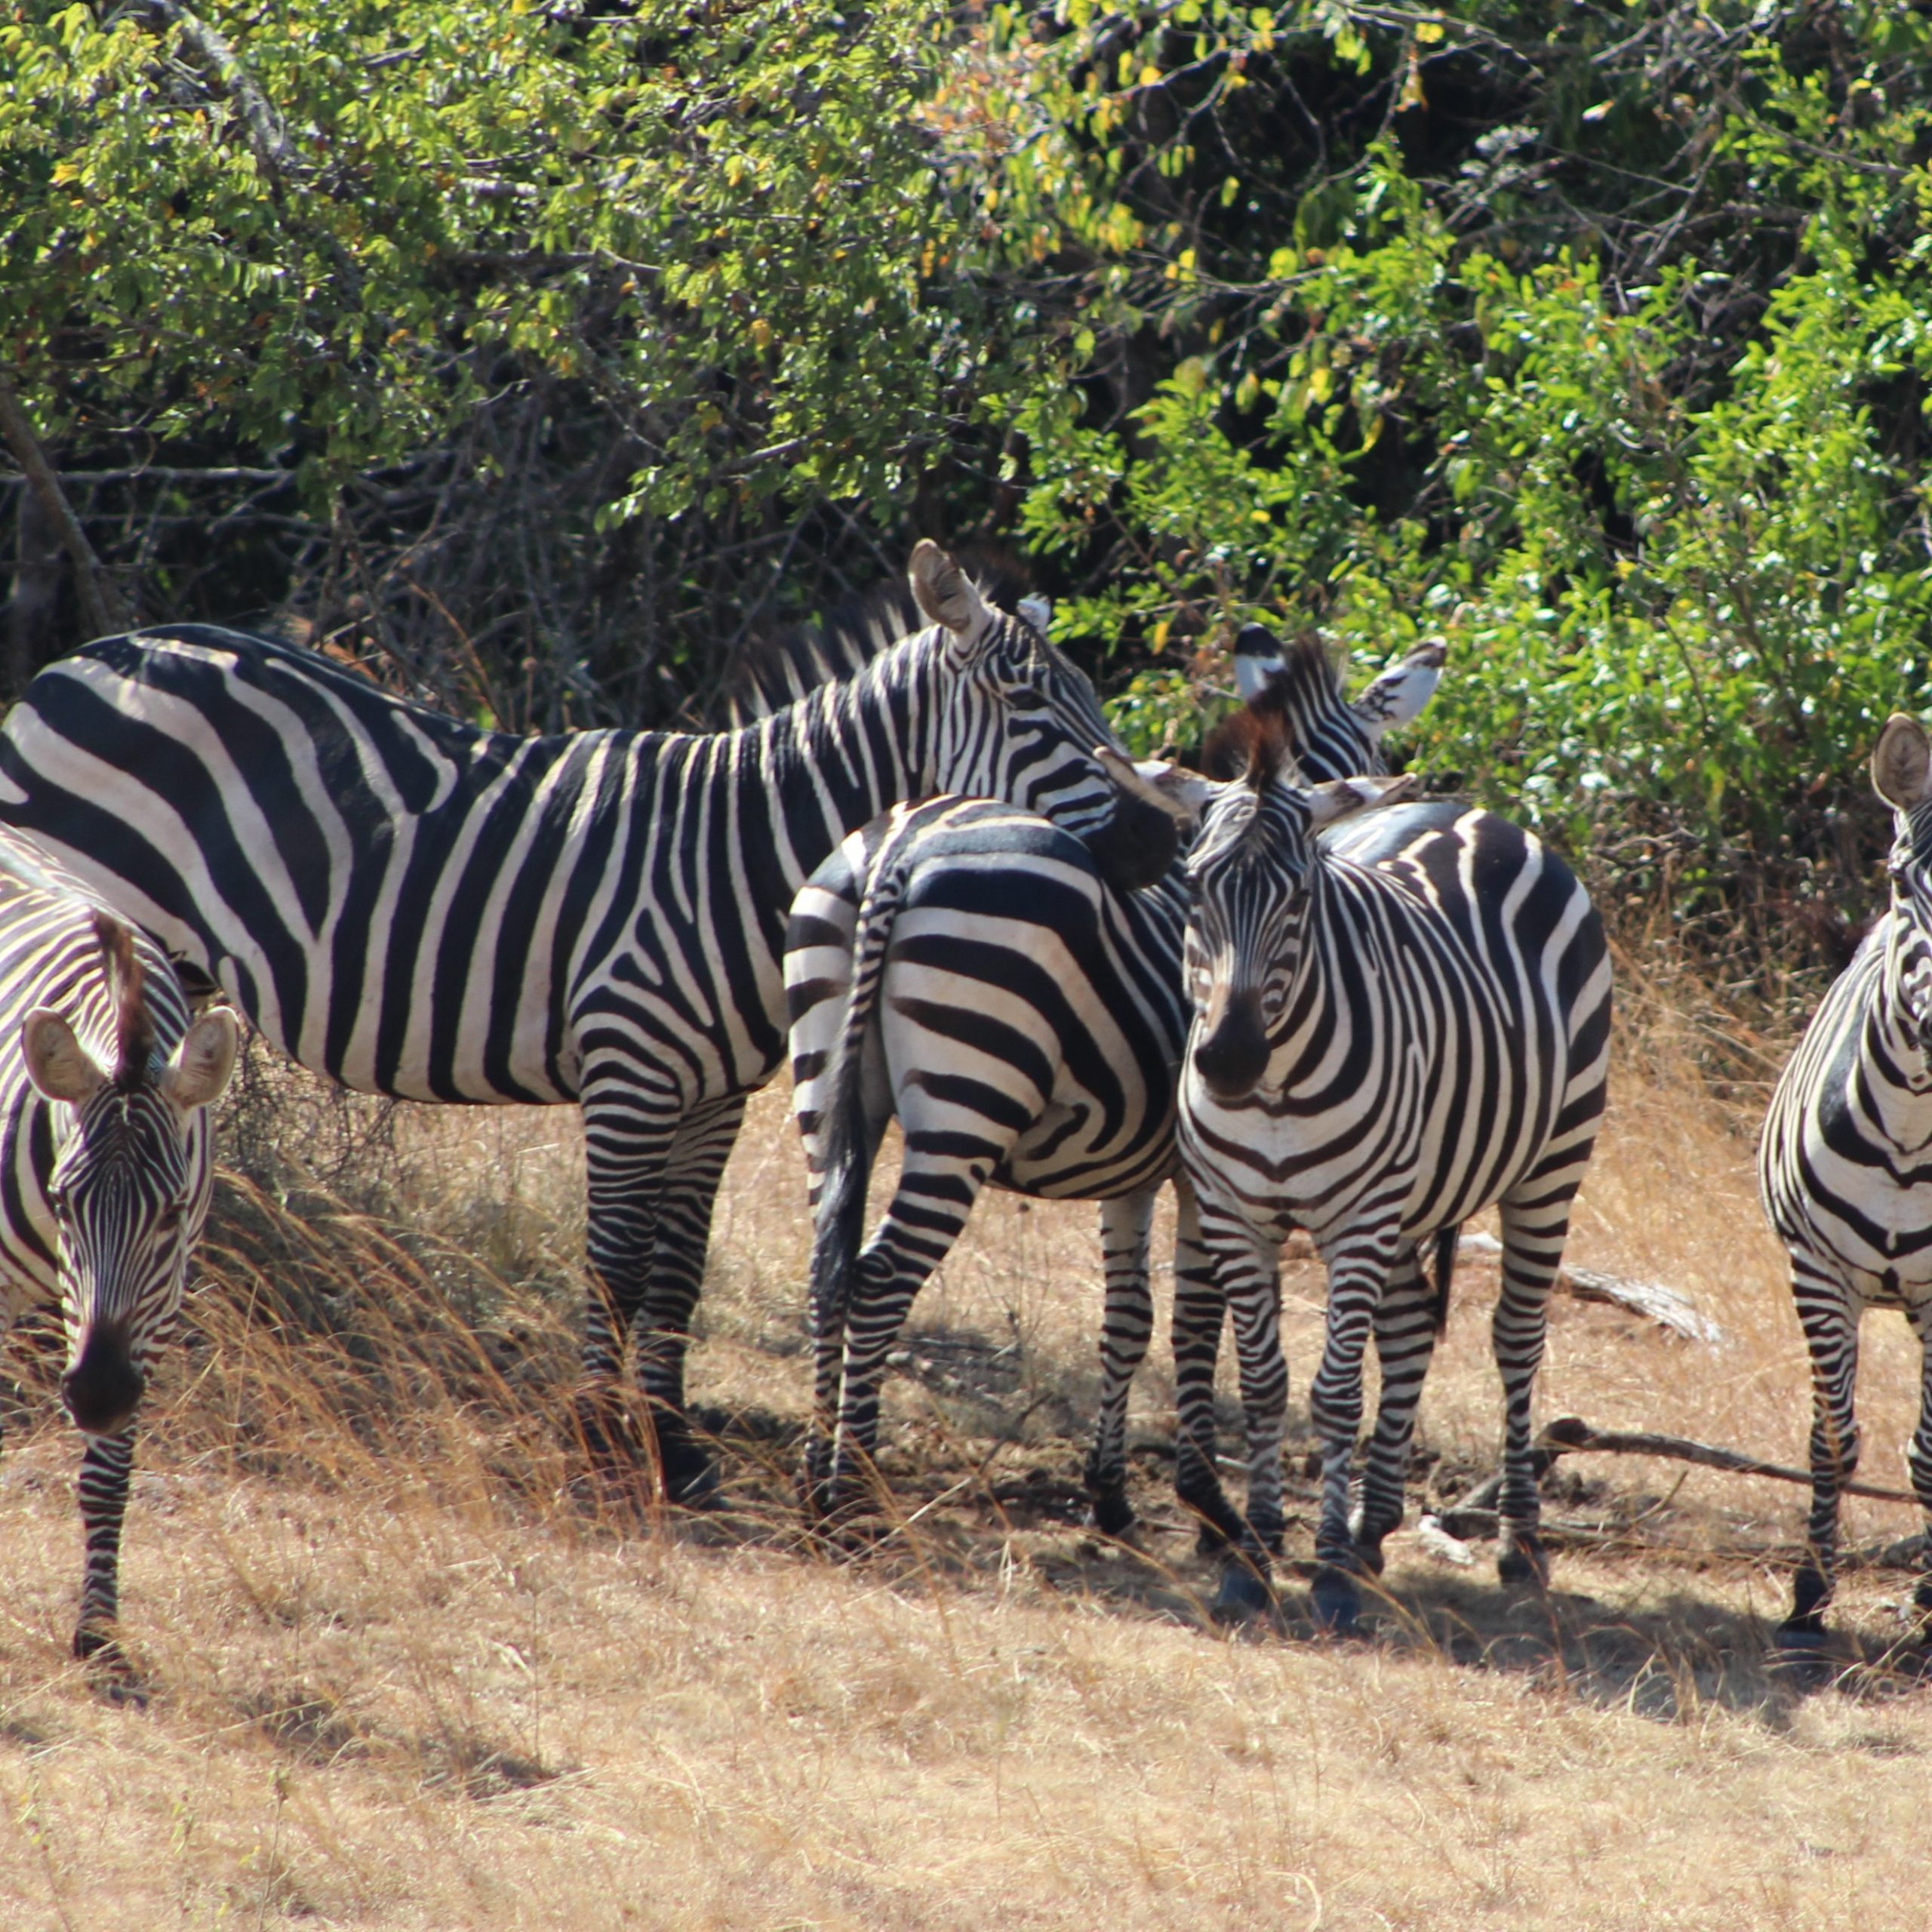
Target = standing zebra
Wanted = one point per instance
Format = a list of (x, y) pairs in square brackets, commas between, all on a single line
[(105, 1085), (1386, 1040), (415, 906), (1843, 1169), (1025, 1023)]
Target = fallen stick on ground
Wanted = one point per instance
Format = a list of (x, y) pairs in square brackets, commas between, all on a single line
[(1569, 1434), (1651, 1299)]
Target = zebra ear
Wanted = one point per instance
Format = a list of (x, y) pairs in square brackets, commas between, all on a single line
[(1401, 691), (1182, 795), (1038, 612), (1902, 765), (1338, 797), (945, 592), (199, 1072), (57, 1064)]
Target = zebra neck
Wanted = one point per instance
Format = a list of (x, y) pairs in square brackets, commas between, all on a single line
[(1893, 1042), (838, 759)]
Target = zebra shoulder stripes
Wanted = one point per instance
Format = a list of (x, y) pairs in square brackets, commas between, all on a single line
[(1843, 1170), (412, 905), (1386, 1040), (105, 1083), (1024, 1023)]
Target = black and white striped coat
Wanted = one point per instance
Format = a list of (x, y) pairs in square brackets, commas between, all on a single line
[(105, 1083), (1386, 1040), (416, 906), (1845, 1168), (1024, 1023)]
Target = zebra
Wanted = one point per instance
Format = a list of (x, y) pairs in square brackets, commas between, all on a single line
[(1386, 1038), (1025, 1023), (106, 1081), (1842, 1170), (417, 906)]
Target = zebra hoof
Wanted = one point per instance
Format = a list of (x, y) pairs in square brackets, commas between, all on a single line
[(1522, 1561), (1245, 1595), (113, 1676), (691, 1480), (1335, 1602), (1113, 1515)]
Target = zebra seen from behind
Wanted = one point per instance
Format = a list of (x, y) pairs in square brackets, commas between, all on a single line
[(416, 906), (105, 1177), (1387, 1037), (1843, 1171), (963, 966)]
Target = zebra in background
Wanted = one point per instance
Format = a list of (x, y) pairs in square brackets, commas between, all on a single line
[(1842, 1170), (1387, 1039), (415, 906), (963, 965), (105, 1085)]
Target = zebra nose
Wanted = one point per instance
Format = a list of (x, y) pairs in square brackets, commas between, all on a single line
[(1136, 845), (102, 1386), (1232, 1054)]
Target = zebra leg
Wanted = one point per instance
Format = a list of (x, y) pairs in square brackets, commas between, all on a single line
[(1918, 1459), (662, 1330), (1200, 1305), (1404, 1345), (1829, 1318), (651, 1186), (105, 1462), (1359, 1264), (929, 1207), (1126, 1228), (1535, 1225)]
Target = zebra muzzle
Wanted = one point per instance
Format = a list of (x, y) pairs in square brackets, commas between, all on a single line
[(102, 1387), (1138, 844), (1232, 1054)]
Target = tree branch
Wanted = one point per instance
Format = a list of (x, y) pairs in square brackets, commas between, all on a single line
[(103, 607)]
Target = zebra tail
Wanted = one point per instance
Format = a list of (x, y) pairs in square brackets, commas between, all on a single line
[(847, 1143), (1447, 1240)]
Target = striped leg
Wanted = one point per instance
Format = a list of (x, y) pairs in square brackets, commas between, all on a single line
[(1360, 1263), (1205, 1266), (651, 1189), (1918, 1457), (106, 1462), (1829, 1318), (1535, 1223), (1404, 1345), (1127, 1326)]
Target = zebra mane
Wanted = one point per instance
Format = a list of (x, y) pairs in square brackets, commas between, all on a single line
[(1253, 745), (134, 1025), (776, 671)]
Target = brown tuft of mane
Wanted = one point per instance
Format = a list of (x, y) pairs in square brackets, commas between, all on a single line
[(134, 1025)]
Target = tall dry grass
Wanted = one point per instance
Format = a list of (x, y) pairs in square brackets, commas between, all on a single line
[(406, 1668)]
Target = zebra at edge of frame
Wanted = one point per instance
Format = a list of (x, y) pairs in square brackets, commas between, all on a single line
[(1387, 1039), (1842, 1168), (413, 906), (105, 1175), (1024, 1023)]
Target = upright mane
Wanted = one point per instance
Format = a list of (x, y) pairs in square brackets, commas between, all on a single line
[(134, 1025)]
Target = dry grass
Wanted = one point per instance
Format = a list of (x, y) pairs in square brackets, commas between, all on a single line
[(401, 1675)]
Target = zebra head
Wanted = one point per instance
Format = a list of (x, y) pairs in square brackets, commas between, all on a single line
[(1019, 722), (1256, 872), (131, 1181), (1300, 682), (1902, 776)]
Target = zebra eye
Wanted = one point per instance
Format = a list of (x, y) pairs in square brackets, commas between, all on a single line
[(57, 1199)]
